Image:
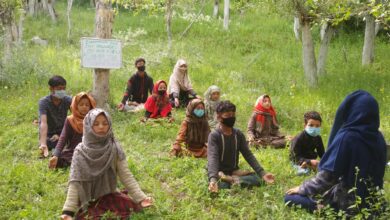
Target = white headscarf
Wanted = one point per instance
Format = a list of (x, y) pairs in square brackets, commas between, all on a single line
[(179, 79)]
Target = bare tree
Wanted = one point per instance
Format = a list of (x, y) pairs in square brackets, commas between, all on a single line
[(68, 11)]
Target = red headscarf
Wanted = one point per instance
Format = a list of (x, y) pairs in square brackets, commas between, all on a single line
[(261, 111), (76, 118), (158, 105)]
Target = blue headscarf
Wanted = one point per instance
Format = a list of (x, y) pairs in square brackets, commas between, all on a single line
[(355, 141)]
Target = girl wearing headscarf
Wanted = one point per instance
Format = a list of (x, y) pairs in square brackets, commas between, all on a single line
[(72, 132), (157, 105), (193, 132), (263, 128), (97, 162), (180, 87), (212, 100), (355, 157)]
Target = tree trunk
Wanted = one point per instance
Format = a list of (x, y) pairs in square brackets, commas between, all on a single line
[(20, 27), (7, 42), (322, 57), (103, 29), (169, 23), (44, 4), (52, 12), (31, 7), (226, 14), (308, 54), (216, 8), (297, 28), (378, 27), (68, 11), (369, 40), (92, 3)]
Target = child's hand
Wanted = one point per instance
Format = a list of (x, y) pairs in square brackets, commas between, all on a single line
[(314, 163), (121, 106), (53, 162), (147, 202), (177, 102), (44, 151), (54, 138), (213, 187), (294, 190), (269, 178)]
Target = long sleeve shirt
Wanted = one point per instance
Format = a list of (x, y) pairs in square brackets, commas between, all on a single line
[(126, 177), (68, 138), (223, 154), (138, 88), (304, 148)]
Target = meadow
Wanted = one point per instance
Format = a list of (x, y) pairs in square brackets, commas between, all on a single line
[(257, 55)]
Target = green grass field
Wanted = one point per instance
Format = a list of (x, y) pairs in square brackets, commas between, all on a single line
[(259, 54)]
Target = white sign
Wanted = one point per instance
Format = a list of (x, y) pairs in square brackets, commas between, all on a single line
[(101, 53)]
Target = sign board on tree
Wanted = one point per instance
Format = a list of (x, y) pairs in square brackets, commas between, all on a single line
[(101, 53)]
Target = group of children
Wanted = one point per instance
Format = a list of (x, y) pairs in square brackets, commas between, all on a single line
[(85, 142)]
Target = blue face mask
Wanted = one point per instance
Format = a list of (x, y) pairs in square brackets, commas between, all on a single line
[(198, 112), (312, 131), (59, 94)]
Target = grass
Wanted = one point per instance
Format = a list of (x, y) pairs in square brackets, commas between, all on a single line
[(257, 55)]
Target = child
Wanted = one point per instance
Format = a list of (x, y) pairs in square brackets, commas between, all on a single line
[(180, 87), (193, 132), (53, 110), (307, 146), (96, 163), (355, 159), (212, 96), (138, 87), (73, 131), (224, 145), (263, 128), (157, 105)]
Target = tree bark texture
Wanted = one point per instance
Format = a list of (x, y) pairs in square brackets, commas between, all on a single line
[(323, 54), (103, 29), (369, 40), (297, 28), (308, 54), (168, 18), (68, 11), (216, 8), (226, 12)]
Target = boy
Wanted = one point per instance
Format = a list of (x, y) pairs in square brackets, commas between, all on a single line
[(224, 145), (138, 87), (307, 146), (53, 110)]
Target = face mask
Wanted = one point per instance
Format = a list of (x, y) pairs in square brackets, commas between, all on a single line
[(312, 131), (59, 94), (141, 68), (229, 121), (161, 92), (199, 112)]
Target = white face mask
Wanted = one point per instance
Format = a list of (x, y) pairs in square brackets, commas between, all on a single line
[(59, 94), (313, 131)]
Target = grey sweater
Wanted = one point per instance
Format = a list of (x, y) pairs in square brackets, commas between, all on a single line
[(223, 153)]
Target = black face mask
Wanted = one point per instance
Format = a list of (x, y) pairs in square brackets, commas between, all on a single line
[(229, 121), (141, 68), (161, 92)]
